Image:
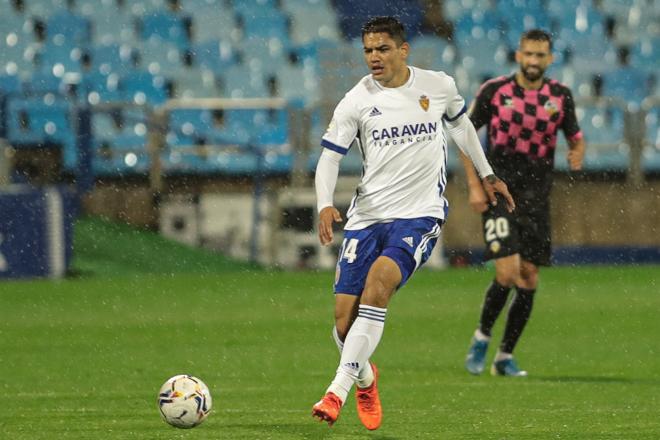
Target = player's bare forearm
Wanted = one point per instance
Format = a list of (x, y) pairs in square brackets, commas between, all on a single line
[(327, 216), (470, 173), (575, 154), (494, 185), (477, 196)]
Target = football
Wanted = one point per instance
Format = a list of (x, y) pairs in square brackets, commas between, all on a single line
[(184, 401)]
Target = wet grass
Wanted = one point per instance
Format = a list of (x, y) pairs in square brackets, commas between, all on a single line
[(84, 358)]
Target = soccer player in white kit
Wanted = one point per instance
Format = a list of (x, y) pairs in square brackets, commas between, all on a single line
[(396, 116)]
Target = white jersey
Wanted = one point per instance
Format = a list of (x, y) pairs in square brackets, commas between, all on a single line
[(402, 141)]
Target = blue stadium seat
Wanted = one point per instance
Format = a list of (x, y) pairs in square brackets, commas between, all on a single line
[(65, 26), (646, 54), (43, 82), (196, 83), (99, 88), (9, 85), (270, 26), (430, 52), (211, 20), (126, 153), (113, 57), (295, 83), (142, 87), (483, 57), (215, 55), (165, 26), (312, 20), (192, 123), (627, 83), (42, 122), (264, 56), (241, 82), (479, 24), (161, 58), (59, 59)]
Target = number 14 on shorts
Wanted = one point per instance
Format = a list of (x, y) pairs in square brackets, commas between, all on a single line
[(349, 250)]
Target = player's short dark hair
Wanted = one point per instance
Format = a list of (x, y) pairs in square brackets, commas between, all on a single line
[(536, 35), (387, 25)]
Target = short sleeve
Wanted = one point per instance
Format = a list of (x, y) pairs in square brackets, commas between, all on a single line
[(343, 128), (570, 124), (481, 110), (455, 103)]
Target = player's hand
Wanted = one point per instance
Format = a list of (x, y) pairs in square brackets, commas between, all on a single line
[(574, 158), (327, 216), (492, 185), (478, 200)]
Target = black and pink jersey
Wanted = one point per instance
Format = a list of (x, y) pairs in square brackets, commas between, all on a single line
[(523, 126)]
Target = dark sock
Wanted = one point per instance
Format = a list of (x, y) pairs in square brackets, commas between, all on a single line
[(496, 296), (521, 308)]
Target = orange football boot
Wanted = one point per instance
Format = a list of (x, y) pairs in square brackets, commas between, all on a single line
[(327, 408), (368, 403)]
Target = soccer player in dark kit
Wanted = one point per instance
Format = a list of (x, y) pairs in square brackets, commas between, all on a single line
[(523, 112)]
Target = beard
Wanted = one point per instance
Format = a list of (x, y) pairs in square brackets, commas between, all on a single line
[(533, 73)]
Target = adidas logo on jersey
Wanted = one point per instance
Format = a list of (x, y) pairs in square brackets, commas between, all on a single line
[(375, 112), (409, 241)]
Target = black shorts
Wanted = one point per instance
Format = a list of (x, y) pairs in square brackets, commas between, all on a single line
[(525, 231)]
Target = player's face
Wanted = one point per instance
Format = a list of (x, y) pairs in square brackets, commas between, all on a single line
[(534, 57), (386, 60)]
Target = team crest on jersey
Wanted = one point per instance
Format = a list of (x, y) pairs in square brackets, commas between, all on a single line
[(495, 246), (424, 102), (551, 107)]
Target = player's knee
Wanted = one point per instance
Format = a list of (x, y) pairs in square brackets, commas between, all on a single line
[(529, 281), (377, 293), (507, 278), (529, 277)]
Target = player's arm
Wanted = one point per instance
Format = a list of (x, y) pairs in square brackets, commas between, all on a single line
[(327, 171), (336, 142), (477, 196), (465, 136), (576, 144), (575, 154)]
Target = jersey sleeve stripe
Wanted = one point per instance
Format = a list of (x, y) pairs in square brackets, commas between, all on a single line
[(448, 119), (330, 146)]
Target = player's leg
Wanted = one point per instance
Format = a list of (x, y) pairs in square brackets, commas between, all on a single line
[(521, 306), (367, 329), (346, 310), (407, 245), (502, 244), (535, 251), (359, 251)]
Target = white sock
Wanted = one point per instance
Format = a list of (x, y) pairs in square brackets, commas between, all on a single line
[(360, 344), (479, 336), (366, 374), (500, 356)]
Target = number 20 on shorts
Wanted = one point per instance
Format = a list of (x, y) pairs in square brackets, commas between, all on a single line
[(496, 228)]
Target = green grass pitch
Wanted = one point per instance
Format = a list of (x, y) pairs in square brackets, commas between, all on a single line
[(84, 358)]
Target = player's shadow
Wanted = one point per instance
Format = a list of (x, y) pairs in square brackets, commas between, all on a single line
[(595, 379)]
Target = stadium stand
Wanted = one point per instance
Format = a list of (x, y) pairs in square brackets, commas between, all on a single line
[(60, 55)]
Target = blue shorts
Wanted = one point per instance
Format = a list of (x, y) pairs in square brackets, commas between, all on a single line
[(408, 242)]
